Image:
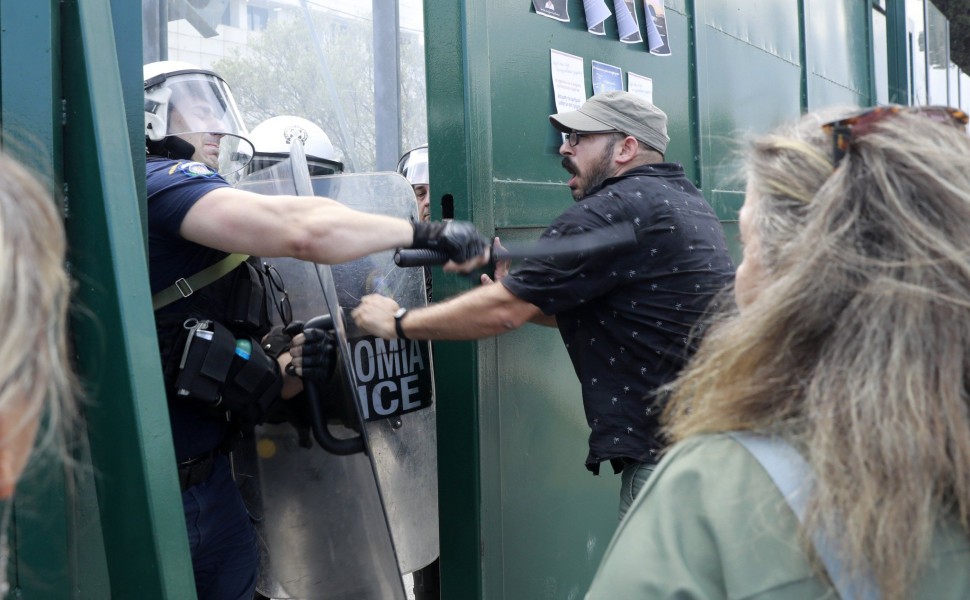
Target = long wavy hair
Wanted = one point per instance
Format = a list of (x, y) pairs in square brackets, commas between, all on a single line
[(857, 347), (36, 378)]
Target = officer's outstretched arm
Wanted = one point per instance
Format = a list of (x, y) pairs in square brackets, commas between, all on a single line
[(314, 228)]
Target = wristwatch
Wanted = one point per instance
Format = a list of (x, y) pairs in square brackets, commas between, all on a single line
[(397, 323)]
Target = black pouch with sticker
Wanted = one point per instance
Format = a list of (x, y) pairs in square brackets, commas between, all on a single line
[(226, 373)]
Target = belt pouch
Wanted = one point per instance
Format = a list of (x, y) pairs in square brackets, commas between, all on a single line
[(253, 384), (206, 359)]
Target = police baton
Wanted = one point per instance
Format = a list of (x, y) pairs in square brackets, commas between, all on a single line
[(606, 240)]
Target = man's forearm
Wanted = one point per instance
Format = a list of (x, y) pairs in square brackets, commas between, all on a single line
[(479, 313)]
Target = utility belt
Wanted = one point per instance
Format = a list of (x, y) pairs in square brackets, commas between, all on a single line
[(196, 470)]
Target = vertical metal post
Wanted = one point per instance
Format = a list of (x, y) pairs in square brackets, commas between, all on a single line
[(898, 42), (143, 526), (387, 86), (803, 54), (870, 56), (694, 110)]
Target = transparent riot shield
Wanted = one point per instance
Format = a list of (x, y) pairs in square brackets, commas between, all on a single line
[(394, 378), (324, 520)]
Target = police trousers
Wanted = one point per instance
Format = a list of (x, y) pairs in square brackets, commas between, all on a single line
[(225, 555)]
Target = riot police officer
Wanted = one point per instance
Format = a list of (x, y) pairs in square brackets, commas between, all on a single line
[(414, 167), (211, 311), (272, 138)]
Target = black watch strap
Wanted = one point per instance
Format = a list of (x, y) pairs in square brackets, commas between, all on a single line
[(397, 323)]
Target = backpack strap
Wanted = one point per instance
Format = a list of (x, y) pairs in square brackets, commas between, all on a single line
[(185, 286), (793, 478)]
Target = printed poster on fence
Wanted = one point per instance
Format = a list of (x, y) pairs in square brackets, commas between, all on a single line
[(606, 78), (626, 21), (656, 27), (596, 14), (554, 9)]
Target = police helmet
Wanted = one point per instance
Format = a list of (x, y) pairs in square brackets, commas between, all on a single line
[(414, 165), (190, 114), (272, 139)]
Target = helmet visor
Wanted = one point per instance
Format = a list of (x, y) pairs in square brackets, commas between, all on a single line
[(414, 166), (203, 113)]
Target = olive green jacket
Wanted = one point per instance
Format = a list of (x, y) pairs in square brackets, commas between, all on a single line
[(710, 524)]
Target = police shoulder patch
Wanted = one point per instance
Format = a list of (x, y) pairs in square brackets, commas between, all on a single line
[(195, 169)]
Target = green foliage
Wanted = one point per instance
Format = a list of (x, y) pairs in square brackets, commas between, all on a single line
[(278, 73)]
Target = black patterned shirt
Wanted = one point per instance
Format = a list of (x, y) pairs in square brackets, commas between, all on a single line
[(626, 316)]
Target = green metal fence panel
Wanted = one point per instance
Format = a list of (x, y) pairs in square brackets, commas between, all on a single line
[(898, 59), (131, 447), (749, 78), (518, 466), (838, 47)]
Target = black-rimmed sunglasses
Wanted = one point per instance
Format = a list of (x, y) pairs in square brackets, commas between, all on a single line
[(574, 136), (854, 126), (283, 307)]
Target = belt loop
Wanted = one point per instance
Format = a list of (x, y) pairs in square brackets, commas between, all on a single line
[(183, 287)]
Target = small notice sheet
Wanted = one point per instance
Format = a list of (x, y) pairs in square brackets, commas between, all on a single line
[(568, 80), (640, 85), (606, 78)]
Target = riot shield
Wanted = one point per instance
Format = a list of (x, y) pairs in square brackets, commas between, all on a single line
[(323, 519), (394, 377)]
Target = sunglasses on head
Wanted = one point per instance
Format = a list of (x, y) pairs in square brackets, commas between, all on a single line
[(845, 130)]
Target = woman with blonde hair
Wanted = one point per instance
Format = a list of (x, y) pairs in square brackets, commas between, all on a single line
[(847, 356), (35, 374)]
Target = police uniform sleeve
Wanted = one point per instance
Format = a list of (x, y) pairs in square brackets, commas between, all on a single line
[(708, 524), (173, 187)]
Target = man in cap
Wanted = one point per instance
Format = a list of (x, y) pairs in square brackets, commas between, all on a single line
[(625, 317)]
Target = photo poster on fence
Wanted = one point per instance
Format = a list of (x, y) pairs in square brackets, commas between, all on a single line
[(626, 21), (596, 14), (640, 85), (554, 9), (606, 78), (656, 27)]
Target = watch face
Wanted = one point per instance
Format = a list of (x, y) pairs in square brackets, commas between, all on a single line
[(400, 312)]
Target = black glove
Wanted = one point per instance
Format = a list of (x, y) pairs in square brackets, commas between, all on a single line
[(459, 239), (319, 355)]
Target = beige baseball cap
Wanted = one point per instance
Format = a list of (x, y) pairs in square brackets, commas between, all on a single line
[(617, 111)]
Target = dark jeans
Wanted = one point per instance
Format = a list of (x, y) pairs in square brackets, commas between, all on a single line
[(225, 556), (634, 475)]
